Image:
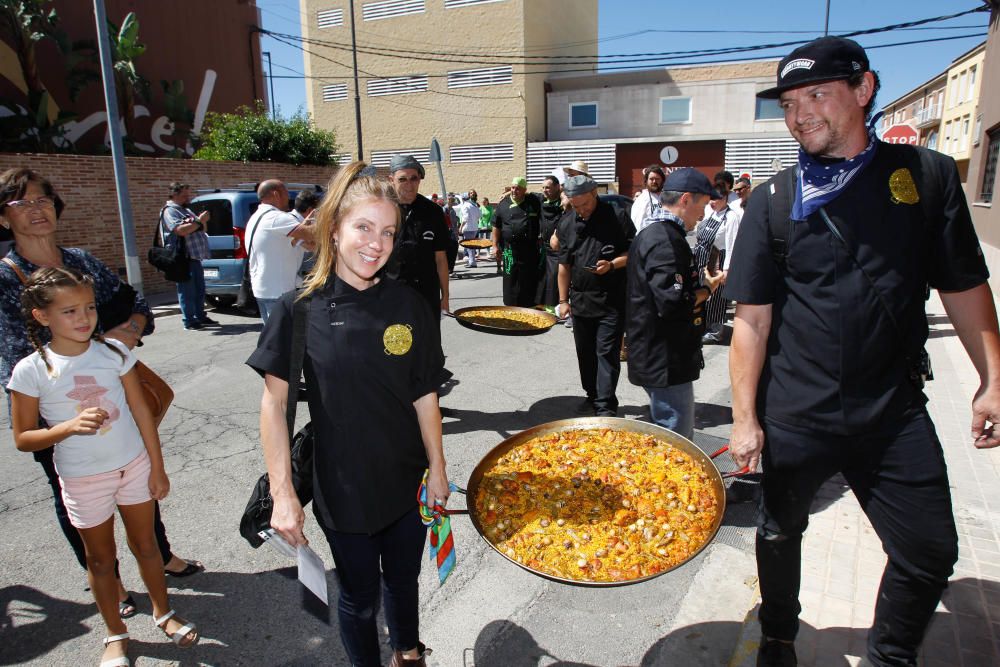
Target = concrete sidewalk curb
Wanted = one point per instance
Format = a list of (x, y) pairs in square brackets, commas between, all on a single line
[(745, 654)]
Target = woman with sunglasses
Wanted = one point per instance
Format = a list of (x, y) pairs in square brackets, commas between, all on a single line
[(30, 210)]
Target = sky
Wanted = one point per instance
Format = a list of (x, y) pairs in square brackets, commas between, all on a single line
[(650, 26)]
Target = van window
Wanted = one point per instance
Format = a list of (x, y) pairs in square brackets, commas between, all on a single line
[(220, 221)]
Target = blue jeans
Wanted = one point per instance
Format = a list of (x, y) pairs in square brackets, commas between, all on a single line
[(387, 562), (673, 407), (191, 294), (265, 306)]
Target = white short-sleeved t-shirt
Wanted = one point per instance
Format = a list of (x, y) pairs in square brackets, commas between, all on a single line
[(91, 379), (274, 261)]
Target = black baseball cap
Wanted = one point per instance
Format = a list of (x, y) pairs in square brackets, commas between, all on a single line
[(823, 59), (689, 179)]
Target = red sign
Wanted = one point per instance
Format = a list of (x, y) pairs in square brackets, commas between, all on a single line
[(901, 134)]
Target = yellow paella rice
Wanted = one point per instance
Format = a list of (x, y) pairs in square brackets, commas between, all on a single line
[(597, 505), (476, 243), (506, 319)]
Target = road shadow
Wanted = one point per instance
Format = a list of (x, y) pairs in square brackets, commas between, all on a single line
[(32, 623), (507, 424), (707, 415), (236, 329)]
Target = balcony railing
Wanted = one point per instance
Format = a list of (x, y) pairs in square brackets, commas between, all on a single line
[(928, 115)]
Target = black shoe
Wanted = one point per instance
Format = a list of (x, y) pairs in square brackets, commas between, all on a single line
[(208, 322), (193, 326), (585, 407), (775, 653)]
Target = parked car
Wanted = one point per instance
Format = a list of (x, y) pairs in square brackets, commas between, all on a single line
[(230, 210)]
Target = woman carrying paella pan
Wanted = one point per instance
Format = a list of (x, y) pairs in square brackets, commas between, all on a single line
[(372, 365)]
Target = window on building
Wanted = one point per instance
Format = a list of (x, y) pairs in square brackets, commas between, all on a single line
[(382, 158), (953, 91), (972, 83), (675, 110), (453, 4), (767, 110), (932, 140), (334, 91), (397, 85), (946, 146), (329, 18), (977, 130), (583, 114), (990, 172), (963, 143), (963, 87), (387, 9), (482, 153), (486, 76)]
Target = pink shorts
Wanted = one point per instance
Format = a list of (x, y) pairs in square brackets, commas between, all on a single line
[(91, 500)]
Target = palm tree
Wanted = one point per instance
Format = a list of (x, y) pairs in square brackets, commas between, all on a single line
[(130, 86)]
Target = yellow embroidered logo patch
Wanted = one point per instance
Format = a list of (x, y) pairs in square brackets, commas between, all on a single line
[(398, 339), (902, 187)]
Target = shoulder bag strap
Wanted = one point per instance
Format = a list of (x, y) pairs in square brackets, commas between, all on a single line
[(300, 310), (16, 269)]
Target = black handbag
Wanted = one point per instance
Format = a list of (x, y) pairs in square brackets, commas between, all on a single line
[(169, 255), (256, 519), (245, 299)]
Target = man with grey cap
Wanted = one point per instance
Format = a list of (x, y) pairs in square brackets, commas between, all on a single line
[(593, 242), (665, 316), (419, 256), (827, 363)]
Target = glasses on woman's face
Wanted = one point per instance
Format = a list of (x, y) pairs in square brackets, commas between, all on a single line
[(36, 203)]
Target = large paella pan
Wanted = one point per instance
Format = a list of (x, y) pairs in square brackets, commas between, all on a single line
[(597, 501), (505, 320)]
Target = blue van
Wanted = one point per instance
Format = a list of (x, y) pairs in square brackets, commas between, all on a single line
[(230, 210)]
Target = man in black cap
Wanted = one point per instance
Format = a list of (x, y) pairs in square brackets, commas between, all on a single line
[(829, 275), (665, 315), (593, 245), (419, 253)]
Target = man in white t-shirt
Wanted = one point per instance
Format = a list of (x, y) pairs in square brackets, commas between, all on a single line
[(647, 203), (468, 218), (274, 238)]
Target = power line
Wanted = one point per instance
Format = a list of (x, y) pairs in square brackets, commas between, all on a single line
[(622, 57)]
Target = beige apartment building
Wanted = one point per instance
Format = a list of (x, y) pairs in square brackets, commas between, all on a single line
[(459, 71), (921, 108)]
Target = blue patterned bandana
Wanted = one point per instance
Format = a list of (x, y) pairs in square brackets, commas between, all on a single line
[(818, 184)]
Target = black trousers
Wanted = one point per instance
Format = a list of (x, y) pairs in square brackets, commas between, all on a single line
[(44, 457), (598, 345), (898, 474)]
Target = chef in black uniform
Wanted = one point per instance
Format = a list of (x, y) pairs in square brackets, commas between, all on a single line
[(829, 275), (420, 252), (516, 244), (552, 212), (372, 366), (593, 247), (665, 315)]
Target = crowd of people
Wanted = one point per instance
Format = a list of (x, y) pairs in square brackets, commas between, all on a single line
[(822, 261)]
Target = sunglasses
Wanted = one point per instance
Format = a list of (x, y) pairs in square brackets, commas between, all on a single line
[(741, 188), (38, 202)]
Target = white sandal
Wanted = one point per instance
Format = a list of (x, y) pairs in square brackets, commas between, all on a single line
[(120, 661), (178, 637)]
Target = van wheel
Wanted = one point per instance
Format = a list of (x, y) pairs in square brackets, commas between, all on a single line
[(221, 301)]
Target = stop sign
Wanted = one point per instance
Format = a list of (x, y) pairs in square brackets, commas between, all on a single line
[(900, 134)]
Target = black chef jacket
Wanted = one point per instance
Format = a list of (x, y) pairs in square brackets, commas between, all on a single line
[(369, 355), (663, 325), (581, 244), (552, 212), (413, 262), (835, 362)]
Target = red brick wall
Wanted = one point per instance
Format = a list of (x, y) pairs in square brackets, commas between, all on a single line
[(87, 185)]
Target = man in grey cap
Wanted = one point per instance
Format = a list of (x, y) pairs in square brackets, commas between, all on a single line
[(665, 314), (419, 256), (593, 242), (827, 363)]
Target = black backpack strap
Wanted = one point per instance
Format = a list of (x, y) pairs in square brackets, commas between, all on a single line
[(780, 195), (300, 309)]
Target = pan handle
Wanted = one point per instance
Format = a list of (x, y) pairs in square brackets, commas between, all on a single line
[(745, 470), (448, 512), (430, 511)]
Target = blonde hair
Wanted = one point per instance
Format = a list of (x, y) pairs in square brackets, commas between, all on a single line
[(353, 184), (40, 291)]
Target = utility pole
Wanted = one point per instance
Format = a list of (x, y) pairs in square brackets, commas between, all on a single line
[(270, 79), (357, 92), (132, 268), (826, 27)]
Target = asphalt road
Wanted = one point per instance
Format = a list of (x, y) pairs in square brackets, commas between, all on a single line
[(249, 606)]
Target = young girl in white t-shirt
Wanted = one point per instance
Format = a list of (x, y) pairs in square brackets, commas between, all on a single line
[(107, 451)]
